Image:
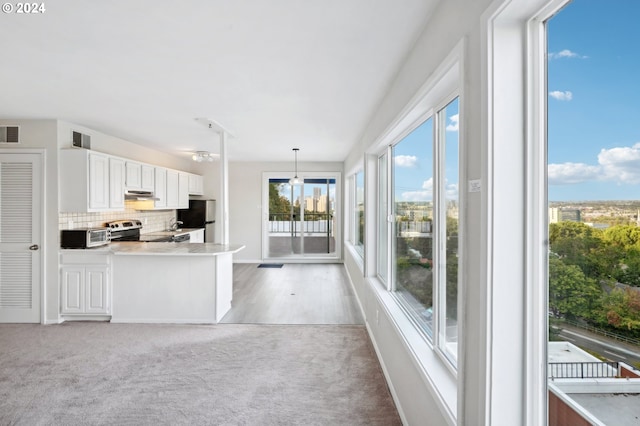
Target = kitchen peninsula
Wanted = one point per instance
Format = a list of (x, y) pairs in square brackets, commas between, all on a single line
[(172, 282), (149, 282)]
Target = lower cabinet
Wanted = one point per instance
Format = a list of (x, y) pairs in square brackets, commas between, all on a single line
[(196, 236), (85, 285)]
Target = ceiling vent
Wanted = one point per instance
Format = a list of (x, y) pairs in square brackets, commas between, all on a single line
[(81, 140), (9, 134)]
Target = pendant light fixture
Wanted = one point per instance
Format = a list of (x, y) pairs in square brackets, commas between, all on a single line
[(296, 180)]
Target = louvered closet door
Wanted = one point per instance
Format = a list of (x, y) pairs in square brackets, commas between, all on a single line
[(20, 237)]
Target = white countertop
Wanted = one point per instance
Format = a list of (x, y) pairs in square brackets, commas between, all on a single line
[(136, 248), (173, 249), (167, 233)]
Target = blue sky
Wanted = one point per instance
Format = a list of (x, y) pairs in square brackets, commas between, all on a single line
[(594, 101), (413, 160)]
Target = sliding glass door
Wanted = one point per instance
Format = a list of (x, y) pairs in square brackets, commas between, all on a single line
[(301, 221)]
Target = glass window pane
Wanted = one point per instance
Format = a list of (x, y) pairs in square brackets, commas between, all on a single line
[(359, 213), (449, 140), (383, 212), (413, 212), (318, 211)]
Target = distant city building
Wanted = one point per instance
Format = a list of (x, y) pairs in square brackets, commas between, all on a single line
[(564, 215)]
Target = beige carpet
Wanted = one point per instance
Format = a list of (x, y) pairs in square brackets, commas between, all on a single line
[(123, 374)]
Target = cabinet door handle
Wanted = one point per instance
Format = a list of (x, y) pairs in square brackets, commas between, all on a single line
[(34, 247)]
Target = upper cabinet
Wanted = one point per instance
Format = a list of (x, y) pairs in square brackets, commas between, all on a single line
[(160, 190), (183, 190), (196, 184), (139, 176), (90, 181), (116, 183)]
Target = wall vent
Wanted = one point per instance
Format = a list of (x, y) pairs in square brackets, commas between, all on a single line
[(9, 134), (81, 140)]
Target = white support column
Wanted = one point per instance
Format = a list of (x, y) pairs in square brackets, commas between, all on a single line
[(224, 188), (223, 202)]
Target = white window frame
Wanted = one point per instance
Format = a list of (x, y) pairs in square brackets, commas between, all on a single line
[(355, 214), (514, 89), (443, 84)]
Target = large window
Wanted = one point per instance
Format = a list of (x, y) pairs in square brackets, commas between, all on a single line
[(418, 255), (593, 193), (358, 209), (413, 254)]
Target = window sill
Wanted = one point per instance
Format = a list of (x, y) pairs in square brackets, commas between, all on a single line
[(356, 255), (437, 376)]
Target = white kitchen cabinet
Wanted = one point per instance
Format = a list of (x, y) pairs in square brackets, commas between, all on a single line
[(196, 236), (85, 285), (85, 182), (148, 178), (196, 184), (116, 183), (139, 176), (160, 190), (133, 178), (98, 181), (173, 188), (183, 190)]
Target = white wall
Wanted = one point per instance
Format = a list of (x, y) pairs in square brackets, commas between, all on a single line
[(245, 201), (116, 146), (42, 134), (452, 22)]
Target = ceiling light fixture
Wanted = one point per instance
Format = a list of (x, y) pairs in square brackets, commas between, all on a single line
[(295, 180), (201, 156)]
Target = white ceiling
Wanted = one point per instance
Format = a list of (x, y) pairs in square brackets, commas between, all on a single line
[(278, 74)]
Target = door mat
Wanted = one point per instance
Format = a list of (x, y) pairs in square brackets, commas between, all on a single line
[(270, 265)]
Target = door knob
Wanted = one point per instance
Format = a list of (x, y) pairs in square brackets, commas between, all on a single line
[(34, 247)]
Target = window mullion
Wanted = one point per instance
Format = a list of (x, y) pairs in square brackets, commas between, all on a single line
[(439, 229), (390, 219)]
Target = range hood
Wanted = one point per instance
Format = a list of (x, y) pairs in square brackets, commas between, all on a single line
[(139, 195)]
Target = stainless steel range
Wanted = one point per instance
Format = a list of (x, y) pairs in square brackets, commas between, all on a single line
[(129, 230)]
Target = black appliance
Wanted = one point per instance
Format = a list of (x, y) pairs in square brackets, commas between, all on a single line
[(201, 214), (84, 238)]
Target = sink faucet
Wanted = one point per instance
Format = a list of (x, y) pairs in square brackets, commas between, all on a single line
[(174, 224)]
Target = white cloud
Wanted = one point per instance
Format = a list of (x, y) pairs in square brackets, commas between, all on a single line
[(454, 123), (570, 173), (426, 194), (406, 160), (561, 96), (452, 191), (566, 53), (620, 165)]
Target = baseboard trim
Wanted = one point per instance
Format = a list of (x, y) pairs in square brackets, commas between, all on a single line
[(387, 377)]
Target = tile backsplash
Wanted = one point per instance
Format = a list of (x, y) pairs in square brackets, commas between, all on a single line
[(152, 221)]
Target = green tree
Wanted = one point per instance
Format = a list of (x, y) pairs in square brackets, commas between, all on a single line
[(621, 310), (625, 236), (278, 204), (571, 293), (578, 244)]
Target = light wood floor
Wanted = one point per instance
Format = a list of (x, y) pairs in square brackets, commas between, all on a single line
[(294, 294)]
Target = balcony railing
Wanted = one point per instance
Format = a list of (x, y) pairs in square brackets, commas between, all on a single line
[(314, 223), (415, 227), (583, 370)]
